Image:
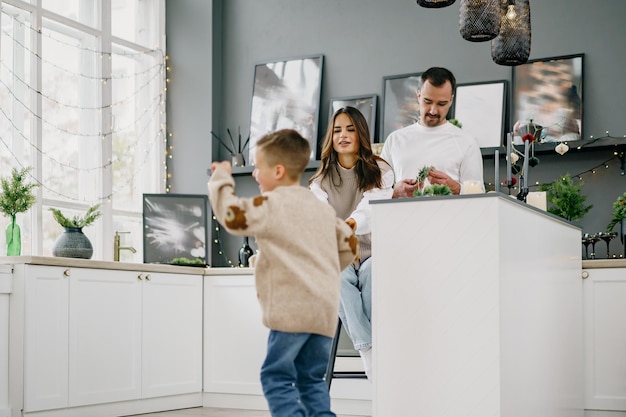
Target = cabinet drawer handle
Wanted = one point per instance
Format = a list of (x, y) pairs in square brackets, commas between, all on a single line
[(147, 277), (585, 274), (66, 273), (140, 277)]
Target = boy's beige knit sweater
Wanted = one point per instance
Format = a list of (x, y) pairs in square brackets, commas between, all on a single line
[(303, 247)]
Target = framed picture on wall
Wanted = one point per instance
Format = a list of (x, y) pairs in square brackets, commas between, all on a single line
[(549, 92), (481, 109), (286, 95), (400, 107), (175, 229), (365, 104)]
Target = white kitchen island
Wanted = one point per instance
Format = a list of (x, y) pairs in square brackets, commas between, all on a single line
[(477, 309)]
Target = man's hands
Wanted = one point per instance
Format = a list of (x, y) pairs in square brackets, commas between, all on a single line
[(440, 177), (405, 188)]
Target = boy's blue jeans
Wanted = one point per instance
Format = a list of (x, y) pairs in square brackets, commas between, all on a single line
[(293, 375)]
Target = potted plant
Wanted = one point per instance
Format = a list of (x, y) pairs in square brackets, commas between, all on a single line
[(619, 212), (565, 198), (17, 197), (73, 243)]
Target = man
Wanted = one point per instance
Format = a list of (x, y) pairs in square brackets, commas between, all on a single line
[(453, 154)]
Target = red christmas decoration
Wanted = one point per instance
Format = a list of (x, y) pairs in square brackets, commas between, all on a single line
[(513, 181)]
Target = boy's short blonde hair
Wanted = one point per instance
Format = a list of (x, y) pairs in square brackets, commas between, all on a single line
[(288, 148)]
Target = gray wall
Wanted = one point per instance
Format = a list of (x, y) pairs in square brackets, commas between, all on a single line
[(363, 41)]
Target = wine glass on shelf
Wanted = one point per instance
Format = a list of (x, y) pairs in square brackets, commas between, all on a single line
[(586, 240), (607, 237), (594, 238)]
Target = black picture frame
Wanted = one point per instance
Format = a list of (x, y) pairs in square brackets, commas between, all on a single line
[(550, 92), (366, 104), (481, 109), (400, 107), (286, 95), (176, 226)]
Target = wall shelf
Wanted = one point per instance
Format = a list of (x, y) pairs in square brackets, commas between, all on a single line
[(247, 170)]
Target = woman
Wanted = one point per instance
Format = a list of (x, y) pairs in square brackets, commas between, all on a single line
[(349, 176)]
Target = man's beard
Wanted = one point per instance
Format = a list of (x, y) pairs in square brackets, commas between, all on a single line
[(431, 120)]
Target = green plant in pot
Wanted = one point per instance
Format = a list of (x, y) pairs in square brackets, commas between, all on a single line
[(565, 198), (73, 243), (17, 197), (619, 212)]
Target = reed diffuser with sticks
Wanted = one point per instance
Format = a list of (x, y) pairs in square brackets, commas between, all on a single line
[(236, 150)]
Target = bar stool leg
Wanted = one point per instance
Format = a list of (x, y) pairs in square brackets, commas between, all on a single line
[(333, 354)]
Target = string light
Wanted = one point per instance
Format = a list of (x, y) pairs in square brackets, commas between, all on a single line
[(619, 155), (156, 102), (39, 32), (218, 242), (169, 156), (139, 128), (125, 156), (510, 13)]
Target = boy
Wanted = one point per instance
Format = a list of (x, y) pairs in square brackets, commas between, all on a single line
[(303, 247)]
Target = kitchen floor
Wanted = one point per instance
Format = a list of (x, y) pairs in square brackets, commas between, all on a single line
[(213, 412)]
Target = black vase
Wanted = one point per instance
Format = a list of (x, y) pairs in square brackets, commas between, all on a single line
[(245, 252), (73, 244)]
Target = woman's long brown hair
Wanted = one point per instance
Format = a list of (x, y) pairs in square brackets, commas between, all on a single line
[(368, 172)]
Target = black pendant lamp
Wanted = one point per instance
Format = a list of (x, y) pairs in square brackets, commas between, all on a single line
[(479, 20), (435, 4), (512, 46)]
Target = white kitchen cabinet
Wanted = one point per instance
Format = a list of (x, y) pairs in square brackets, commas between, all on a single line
[(235, 339), (605, 338), (89, 336), (172, 334), (137, 335), (6, 287), (45, 335), (105, 336)]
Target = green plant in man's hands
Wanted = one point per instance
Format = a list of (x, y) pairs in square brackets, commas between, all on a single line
[(433, 190), (423, 173)]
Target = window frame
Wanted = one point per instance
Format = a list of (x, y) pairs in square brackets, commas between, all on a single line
[(103, 230)]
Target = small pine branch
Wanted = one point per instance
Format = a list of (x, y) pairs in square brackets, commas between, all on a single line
[(79, 222), (423, 173), (619, 212), (565, 198), (17, 195)]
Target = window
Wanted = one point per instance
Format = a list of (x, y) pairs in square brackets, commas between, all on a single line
[(82, 101)]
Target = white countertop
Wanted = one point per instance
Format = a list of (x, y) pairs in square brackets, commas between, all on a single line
[(125, 266), (208, 271)]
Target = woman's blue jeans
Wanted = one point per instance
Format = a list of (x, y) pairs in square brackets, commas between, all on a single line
[(292, 375), (355, 309)]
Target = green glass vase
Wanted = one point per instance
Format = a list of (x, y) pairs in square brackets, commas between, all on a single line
[(13, 238)]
